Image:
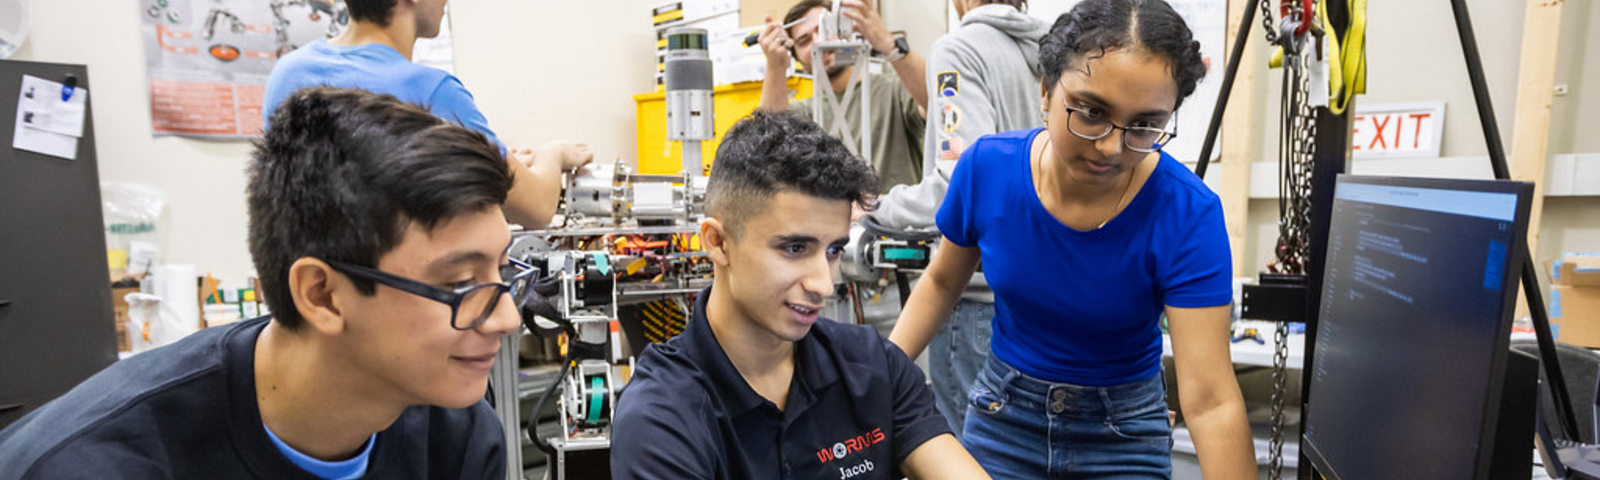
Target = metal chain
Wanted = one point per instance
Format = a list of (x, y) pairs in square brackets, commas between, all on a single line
[(1266, 21), (1297, 147), (1280, 375)]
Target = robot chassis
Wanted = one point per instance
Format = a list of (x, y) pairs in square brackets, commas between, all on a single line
[(624, 238)]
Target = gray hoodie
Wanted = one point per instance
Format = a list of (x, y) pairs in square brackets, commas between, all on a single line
[(982, 78)]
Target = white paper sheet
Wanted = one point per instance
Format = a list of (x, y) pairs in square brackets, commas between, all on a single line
[(142, 257), (45, 123), (45, 110)]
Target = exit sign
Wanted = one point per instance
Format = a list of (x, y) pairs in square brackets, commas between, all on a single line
[(1397, 130)]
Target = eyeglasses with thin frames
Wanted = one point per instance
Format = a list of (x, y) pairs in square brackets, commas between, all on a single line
[(1093, 126), (478, 300)]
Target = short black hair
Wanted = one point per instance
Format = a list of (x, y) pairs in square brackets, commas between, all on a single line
[(768, 152), (1101, 25), (341, 173), (1021, 5), (799, 10), (371, 11)]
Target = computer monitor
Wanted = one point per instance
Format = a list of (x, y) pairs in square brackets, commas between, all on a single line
[(1412, 340)]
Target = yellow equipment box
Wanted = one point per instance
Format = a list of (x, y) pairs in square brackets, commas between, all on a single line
[(657, 156)]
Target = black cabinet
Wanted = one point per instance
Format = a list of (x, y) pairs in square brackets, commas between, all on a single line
[(55, 298)]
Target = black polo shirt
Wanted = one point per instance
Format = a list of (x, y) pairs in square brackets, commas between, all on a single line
[(856, 408)]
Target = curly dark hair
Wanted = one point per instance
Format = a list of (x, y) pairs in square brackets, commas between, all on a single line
[(341, 173), (769, 152), (1094, 27)]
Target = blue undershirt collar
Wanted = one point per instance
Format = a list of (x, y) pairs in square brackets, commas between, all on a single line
[(350, 469)]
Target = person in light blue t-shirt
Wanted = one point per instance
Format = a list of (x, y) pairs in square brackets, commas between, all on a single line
[(374, 54), (1088, 233)]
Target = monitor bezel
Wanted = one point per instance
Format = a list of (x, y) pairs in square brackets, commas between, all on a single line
[(1510, 288)]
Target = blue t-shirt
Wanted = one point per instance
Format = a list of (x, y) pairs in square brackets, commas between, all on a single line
[(379, 69), (1083, 307)]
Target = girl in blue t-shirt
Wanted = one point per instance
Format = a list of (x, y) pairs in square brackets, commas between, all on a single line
[(1088, 233)]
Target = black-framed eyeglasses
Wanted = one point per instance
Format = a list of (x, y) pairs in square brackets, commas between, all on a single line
[(478, 300), (1090, 125)]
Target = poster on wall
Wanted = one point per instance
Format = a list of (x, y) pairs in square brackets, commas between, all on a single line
[(208, 60), (1208, 22)]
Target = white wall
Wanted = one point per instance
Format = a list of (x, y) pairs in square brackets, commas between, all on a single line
[(1574, 120), (539, 70), (543, 70), (922, 20)]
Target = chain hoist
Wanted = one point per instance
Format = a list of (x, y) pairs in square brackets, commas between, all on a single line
[(1297, 149)]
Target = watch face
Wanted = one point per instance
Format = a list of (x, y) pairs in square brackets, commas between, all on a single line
[(902, 45)]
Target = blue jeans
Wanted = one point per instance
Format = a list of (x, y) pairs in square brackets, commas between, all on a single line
[(1019, 427), (956, 356)]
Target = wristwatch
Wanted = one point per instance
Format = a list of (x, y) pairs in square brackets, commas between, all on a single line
[(901, 49)]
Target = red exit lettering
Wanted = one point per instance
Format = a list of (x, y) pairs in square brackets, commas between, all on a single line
[(1388, 131)]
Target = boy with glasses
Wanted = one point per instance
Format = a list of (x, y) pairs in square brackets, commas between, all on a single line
[(378, 233)]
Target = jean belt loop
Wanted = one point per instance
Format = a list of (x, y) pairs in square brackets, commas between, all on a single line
[(1008, 374), (1012, 374)]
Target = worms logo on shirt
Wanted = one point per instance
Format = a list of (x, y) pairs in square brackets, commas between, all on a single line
[(847, 446)]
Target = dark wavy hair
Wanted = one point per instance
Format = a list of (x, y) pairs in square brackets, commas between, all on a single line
[(1094, 27), (769, 152), (341, 173)]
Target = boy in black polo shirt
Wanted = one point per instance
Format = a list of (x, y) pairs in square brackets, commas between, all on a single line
[(757, 387), (360, 373)]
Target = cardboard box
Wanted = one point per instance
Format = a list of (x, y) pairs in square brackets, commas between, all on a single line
[(119, 306), (1576, 269), (1575, 315)]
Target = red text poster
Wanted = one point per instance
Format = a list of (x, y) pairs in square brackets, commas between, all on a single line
[(208, 60)]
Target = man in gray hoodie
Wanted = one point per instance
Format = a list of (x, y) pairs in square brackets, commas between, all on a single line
[(982, 78)]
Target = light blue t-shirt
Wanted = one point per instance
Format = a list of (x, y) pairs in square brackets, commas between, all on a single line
[(350, 469), (1083, 307), (379, 69)]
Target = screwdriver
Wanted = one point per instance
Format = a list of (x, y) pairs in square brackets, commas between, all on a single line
[(755, 38)]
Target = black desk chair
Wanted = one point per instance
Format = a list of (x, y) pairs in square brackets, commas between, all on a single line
[(1576, 458), (1581, 367)]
